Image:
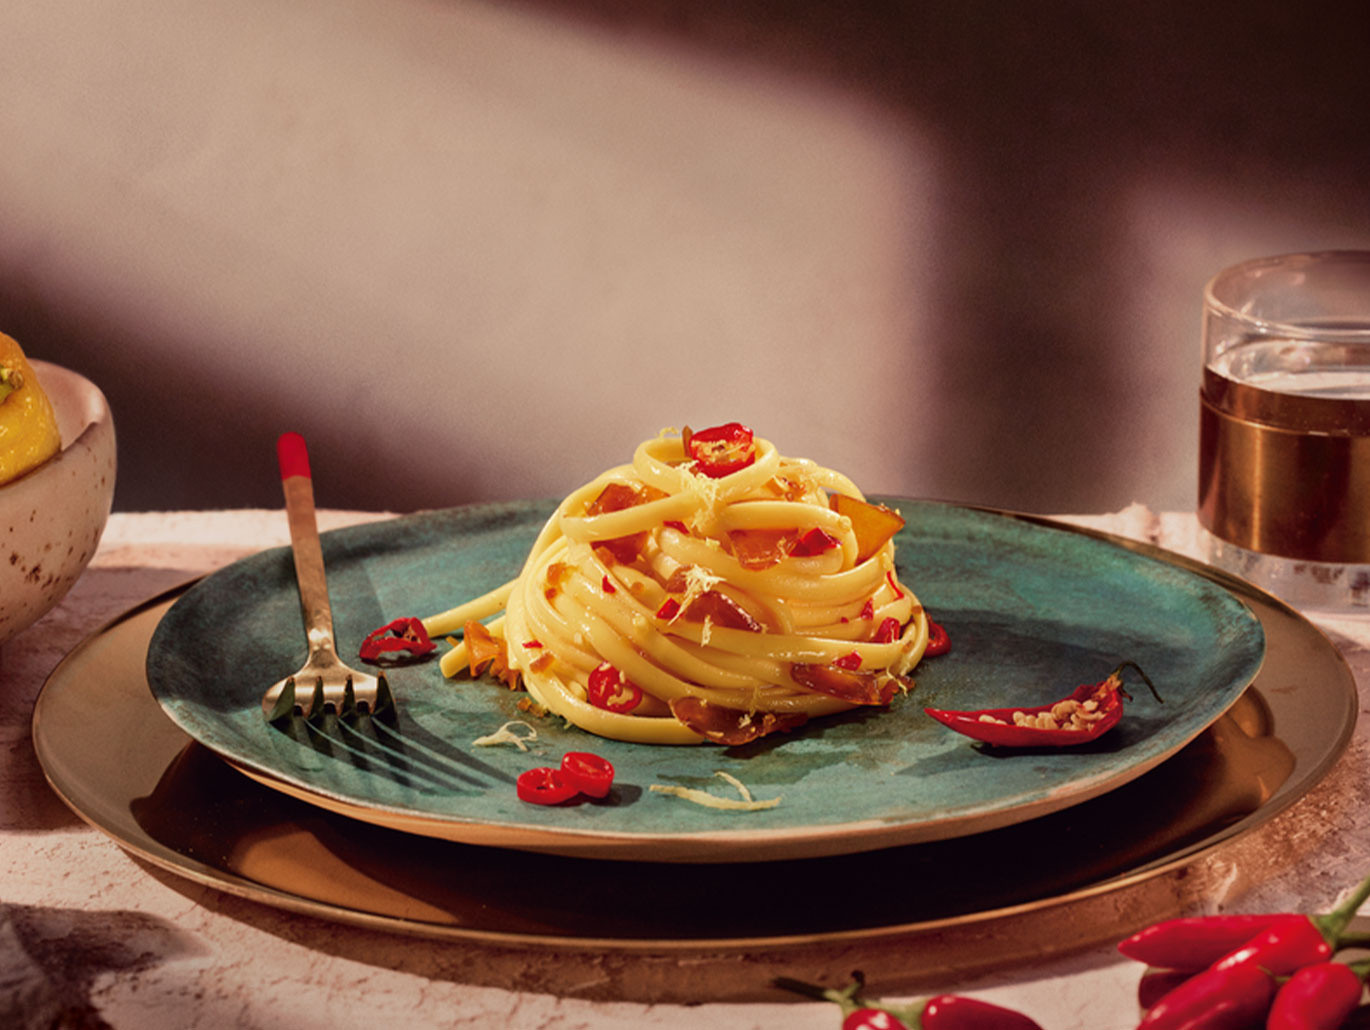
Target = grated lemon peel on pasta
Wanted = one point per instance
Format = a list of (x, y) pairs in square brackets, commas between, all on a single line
[(709, 590)]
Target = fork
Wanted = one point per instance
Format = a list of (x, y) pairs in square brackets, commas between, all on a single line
[(323, 682)]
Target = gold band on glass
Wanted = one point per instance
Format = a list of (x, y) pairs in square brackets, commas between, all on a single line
[(1302, 495)]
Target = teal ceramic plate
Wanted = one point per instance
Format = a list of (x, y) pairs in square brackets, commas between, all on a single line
[(1033, 609)]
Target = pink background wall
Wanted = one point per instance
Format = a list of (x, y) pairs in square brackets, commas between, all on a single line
[(478, 250)]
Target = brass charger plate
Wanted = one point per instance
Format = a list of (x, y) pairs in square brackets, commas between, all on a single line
[(948, 905)]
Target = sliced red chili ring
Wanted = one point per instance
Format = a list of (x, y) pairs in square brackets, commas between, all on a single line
[(609, 689), (721, 450), (588, 773), (544, 786)]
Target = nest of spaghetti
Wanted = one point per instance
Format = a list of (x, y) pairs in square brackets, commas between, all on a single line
[(711, 590)]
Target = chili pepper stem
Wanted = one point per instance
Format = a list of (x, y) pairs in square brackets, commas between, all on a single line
[(848, 998), (1334, 923), (1145, 678)]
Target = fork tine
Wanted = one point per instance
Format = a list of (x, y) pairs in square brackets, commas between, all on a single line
[(315, 704), (348, 705), (279, 702), (384, 701)]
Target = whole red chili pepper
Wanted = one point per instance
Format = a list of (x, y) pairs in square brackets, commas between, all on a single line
[(1155, 984), (953, 1012), (1098, 707), (1317, 997), (1281, 948), (1216, 999), (1194, 942), (1359, 1019), (942, 1012), (1299, 941)]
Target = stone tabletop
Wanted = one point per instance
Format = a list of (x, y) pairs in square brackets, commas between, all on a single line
[(93, 937)]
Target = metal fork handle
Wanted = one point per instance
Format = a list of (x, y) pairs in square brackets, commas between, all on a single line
[(298, 486)]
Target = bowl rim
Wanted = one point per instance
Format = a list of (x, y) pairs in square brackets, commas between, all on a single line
[(92, 407)]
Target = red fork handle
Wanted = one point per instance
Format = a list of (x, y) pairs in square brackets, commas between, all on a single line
[(292, 455), (298, 487)]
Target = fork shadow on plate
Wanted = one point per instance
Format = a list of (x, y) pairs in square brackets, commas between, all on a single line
[(402, 752)]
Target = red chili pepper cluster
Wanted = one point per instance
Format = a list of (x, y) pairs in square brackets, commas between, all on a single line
[(1280, 967), (942, 1012), (581, 773), (405, 634), (1090, 711), (1280, 971)]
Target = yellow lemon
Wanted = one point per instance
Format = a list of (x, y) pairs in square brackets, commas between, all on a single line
[(28, 428)]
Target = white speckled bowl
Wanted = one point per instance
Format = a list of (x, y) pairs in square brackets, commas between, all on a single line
[(51, 518)]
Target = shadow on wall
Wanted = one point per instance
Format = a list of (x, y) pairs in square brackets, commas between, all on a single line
[(1076, 139), (1095, 165)]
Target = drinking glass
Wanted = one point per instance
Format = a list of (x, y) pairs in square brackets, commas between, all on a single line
[(1284, 427)]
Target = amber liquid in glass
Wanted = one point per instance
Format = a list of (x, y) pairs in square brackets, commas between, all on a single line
[(1284, 468)]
